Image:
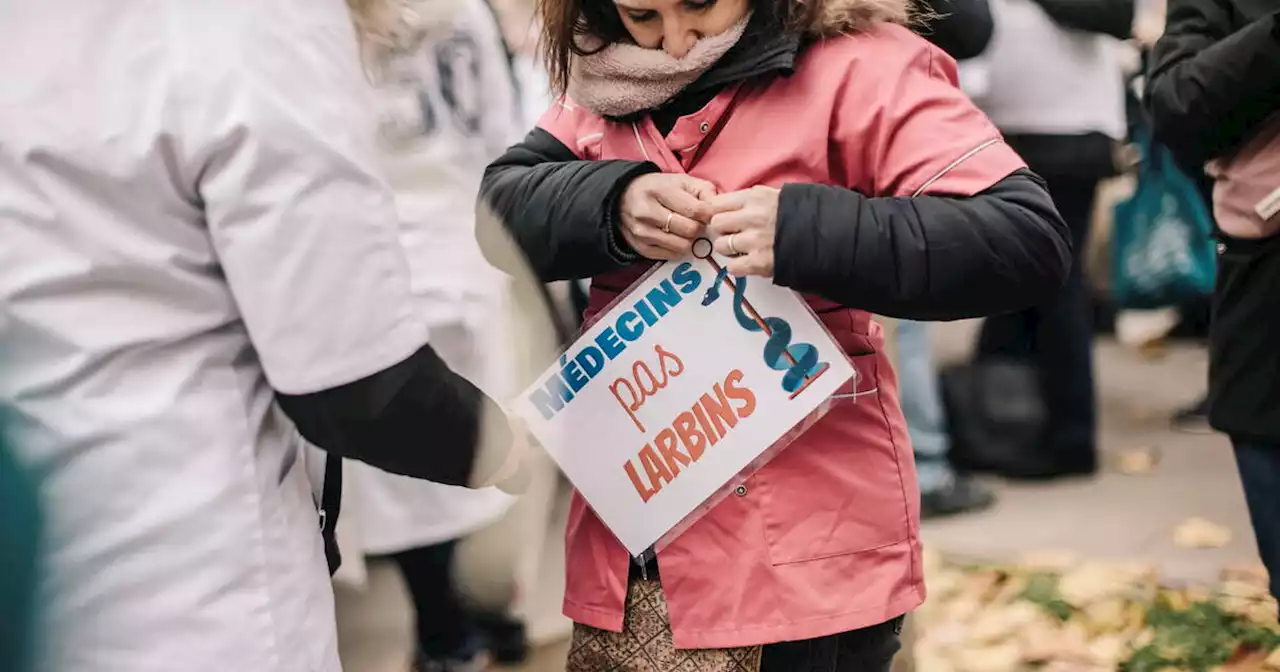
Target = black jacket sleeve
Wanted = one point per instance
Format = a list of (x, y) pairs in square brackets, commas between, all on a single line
[(1108, 17), (962, 28), (417, 418), (1210, 85), (924, 257), (559, 210)]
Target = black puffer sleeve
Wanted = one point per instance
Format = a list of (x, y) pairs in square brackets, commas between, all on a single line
[(1210, 84), (962, 28), (1107, 17), (560, 211), (924, 257)]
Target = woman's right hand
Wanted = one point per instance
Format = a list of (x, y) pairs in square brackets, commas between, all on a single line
[(662, 214)]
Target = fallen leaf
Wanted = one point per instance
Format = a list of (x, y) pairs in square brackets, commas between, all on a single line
[(932, 561), (1011, 591), (932, 661), (1245, 660), (1254, 573), (962, 609), (1003, 622), (1108, 651), (1041, 641), (943, 584), (1245, 589), (999, 658), (1154, 350), (1264, 612), (947, 635), (1201, 533), (1197, 594), (1143, 638), (1273, 660), (980, 584), (1109, 615), (1138, 462), (1093, 582)]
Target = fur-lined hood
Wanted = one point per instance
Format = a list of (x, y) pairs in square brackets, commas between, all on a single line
[(828, 18)]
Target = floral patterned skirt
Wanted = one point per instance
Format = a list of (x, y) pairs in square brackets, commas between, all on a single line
[(644, 645)]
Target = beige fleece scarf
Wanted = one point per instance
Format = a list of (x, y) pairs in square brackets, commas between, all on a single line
[(625, 78)]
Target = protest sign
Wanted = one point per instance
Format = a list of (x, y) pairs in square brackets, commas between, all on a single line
[(687, 379)]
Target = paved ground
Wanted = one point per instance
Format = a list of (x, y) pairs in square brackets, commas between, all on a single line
[(1110, 517), (1117, 516)]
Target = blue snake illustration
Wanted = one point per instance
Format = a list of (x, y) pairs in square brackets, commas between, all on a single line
[(779, 344)]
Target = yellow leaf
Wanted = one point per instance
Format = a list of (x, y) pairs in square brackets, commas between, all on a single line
[(1137, 462), (1108, 651), (1273, 660), (999, 658), (1201, 533), (998, 624), (1108, 615)]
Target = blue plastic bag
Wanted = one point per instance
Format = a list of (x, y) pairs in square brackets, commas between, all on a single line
[(1163, 252)]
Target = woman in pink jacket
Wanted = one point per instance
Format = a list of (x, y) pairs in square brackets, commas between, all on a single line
[(825, 147)]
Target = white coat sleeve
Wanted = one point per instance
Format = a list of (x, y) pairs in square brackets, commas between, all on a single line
[(304, 226)]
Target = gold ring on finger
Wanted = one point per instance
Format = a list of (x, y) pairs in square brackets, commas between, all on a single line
[(666, 228), (733, 249)]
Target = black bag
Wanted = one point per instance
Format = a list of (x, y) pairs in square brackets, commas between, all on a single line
[(996, 416)]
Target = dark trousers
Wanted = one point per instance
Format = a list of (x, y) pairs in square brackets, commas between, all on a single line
[(867, 650), (1259, 465), (1057, 338), (444, 627)]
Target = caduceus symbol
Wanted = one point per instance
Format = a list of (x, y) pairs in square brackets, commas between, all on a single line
[(798, 360)]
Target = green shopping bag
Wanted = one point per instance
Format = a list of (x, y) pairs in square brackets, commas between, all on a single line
[(19, 562), (1163, 252)]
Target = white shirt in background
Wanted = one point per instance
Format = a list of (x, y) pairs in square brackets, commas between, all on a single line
[(1041, 78)]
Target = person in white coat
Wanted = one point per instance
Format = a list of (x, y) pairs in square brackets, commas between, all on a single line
[(447, 105), (200, 267)]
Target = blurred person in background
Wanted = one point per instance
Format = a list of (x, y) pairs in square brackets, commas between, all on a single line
[(681, 119), (21, 532), (1214, 97), (1056, 91), (447, 105), (201, 266), (962, 29)]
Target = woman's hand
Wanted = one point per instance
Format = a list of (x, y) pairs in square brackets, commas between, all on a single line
[(512, 476), (663, 213), (744, 224)]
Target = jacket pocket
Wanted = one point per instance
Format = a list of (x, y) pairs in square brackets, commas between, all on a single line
[(839, 488)]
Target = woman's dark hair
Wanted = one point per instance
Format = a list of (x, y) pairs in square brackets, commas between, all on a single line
[(566, 22)]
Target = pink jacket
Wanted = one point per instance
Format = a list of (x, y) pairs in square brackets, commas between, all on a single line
[(1246, 189), (823, 539)]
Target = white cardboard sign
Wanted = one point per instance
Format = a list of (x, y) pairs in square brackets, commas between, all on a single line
[(676, 388)]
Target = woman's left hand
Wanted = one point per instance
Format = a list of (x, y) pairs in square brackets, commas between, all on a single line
[(744, 223)]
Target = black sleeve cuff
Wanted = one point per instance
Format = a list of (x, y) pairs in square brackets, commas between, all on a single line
[(616, 245), (417, 418)]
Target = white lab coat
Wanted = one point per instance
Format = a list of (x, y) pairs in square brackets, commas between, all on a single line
[(447, 106), (193, 217)]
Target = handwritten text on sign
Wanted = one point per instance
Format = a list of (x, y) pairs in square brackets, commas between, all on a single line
[(677, 388)]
